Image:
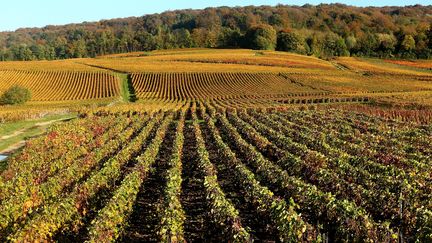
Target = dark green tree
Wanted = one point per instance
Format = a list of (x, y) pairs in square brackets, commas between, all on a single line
[(183, 38), (315, 43), (39, 51), (230, 38), (429, 37), (367, 44), (22, 53), (387, 45), (146, 41), (334, 45), (261, 37), (407, 46), (290, 41), (15, 95)]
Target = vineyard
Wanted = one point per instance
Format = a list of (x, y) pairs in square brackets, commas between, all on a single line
[(417, 64), (261, 76), (201, 145), (59, 86), (208, 60), (182, 86), (208, 171)]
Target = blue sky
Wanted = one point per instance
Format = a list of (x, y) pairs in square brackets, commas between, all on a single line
[(37, 13)]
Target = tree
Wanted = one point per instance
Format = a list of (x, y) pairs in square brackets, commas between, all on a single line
[(387, 44), (230, 38), (15, 95), (367, 44), (407, 46), (276, 20), (22, 53), (146, 41), (290, 41), (183, 38), (206, 38), (77, 49), (334, 45), (61, 47), (429, 36), (408, 43), (261, 37), (106, 41), (5, 54), (126, 41), (351, 43), (315, 44), (38, 51)]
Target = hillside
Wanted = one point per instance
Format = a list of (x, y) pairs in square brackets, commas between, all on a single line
[(211, 170), (164, 79), (324, 30), (224, 145), (208, 73), (225, 124)]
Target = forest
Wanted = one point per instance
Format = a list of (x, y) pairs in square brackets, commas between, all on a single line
[(325, 31)]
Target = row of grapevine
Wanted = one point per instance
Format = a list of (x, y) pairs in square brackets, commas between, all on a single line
[(254, 174), (20, 197), (359, 175), (223, 212), (111, 219), (81, 136), (398, 175), (180, 86), (67, 210), (350, 220), (57, 85), (400, 135), (290, 225), (314, 167), (173, 215)]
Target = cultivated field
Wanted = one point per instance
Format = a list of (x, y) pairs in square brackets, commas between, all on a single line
[(61, 86), (183, 86), (203, 145), (205, 173)]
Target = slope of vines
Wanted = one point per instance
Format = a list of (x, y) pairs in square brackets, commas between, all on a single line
[(180, 86), (62, 85), (212, 172)]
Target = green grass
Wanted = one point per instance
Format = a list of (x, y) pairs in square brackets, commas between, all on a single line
[(381, 62), (29, 133), (28, 127), (126, 89), (10, 127)]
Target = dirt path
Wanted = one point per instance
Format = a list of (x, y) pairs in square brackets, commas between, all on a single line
[(14, 134), (145, 218), (339, 66), (21, 131), (12, 148), (197, 226)]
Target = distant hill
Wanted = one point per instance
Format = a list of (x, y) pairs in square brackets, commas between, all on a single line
[(323, 30)]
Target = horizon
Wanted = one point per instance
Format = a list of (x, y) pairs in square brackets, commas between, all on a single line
[(38, 16)]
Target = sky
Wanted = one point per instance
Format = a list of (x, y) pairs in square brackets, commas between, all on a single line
[(38, 13)]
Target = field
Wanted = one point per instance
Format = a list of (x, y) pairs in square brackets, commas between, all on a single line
[(58, 86), (417, 64), (182, 86), (202, 145)]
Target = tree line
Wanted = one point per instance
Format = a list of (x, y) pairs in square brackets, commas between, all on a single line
[(325, 30)]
